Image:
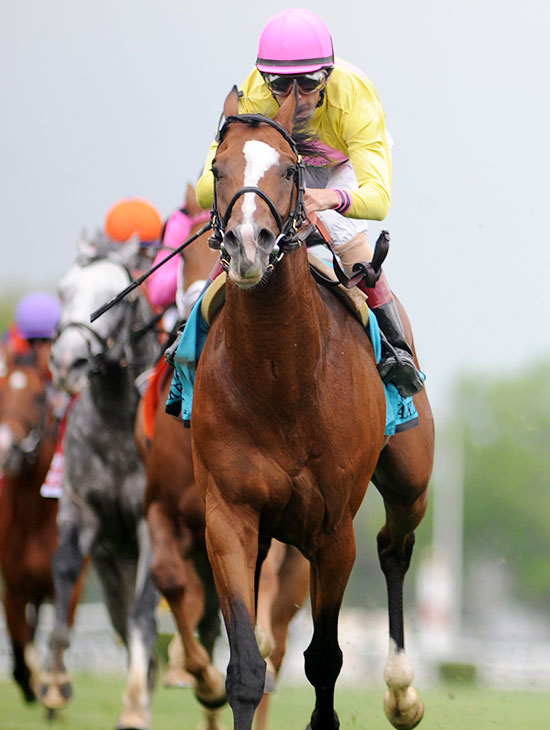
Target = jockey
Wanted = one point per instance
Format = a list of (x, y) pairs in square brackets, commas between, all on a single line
[(29, 335), (37, 315), (350, 182)]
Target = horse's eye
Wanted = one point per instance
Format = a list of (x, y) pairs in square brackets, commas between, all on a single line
[(215, 172), (290, 172)]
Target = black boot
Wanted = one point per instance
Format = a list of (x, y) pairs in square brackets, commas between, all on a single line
[(397, 364), (170, 351)]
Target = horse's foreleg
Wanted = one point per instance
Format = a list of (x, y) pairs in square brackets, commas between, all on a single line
[(403, 708), (18, 630), (179, 583), (141, 634), (232, 543), (330, 571), (55, 687), (292, 582)]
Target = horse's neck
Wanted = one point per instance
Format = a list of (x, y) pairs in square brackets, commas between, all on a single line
[(114, 394), (279, 324), (199, 260)]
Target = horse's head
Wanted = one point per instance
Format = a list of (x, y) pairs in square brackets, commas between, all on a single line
[(257, 191), (24, 415), (100, 272)]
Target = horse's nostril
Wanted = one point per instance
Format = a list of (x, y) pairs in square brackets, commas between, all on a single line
[(231, 240), (80, 363), (266, 239)]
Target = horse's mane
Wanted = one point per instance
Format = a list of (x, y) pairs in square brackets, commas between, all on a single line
[(307, 143)]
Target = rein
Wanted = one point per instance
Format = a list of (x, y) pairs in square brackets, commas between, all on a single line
[(287, 240), (137, 282)]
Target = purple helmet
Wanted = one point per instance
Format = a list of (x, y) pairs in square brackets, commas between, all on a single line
[(37, 315)]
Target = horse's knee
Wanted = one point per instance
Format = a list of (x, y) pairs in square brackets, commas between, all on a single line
[(167, 577), (394, 558)]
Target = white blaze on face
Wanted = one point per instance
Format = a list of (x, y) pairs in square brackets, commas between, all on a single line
[(259, 158)]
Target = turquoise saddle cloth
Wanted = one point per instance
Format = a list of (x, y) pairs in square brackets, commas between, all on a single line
[(401, 413)]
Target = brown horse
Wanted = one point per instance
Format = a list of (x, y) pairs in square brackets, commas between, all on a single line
[(28, 532), (175, 513), (288, 426)]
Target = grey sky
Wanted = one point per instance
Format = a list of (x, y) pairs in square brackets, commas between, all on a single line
[(111, 98)]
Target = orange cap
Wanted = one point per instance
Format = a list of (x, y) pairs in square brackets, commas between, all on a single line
[(133, 216)]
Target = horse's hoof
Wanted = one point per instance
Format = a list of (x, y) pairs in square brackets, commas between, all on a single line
[(405, 714), (132, 721), (55, 696), (210, 691), (177, 678), (211, 721), (29, 695)]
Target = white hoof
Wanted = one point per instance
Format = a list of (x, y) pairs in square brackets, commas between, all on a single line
[(403, 709)]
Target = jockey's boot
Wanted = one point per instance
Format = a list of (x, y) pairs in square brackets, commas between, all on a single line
[(173, 402), (170, 352), (397, 364)]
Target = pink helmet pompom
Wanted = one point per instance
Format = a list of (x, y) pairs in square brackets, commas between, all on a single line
[(295, 41)]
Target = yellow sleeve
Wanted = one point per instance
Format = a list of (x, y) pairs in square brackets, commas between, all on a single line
[(364, 134), (205, 186)]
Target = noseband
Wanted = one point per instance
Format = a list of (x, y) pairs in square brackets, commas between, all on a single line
[(287, 240)]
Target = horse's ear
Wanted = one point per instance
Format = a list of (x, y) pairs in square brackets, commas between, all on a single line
[(231, 103), (285, 115), (128, 252), (85, 248)]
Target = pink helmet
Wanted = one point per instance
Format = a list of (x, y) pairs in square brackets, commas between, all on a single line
[(295, 41)]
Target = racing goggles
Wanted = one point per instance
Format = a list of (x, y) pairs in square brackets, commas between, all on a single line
[(307, 83)]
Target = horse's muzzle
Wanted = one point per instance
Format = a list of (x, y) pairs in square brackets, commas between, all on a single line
[(248, 247)]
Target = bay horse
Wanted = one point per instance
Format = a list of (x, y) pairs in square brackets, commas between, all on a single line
[(174, 508), (28, 531), (101, 508), (288, 426)]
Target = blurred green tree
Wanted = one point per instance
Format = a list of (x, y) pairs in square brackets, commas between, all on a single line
[(506, 437)]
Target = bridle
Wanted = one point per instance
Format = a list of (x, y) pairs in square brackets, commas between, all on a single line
[(287, 241), (112, 347)]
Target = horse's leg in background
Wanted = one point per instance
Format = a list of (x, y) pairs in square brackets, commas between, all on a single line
[(177, 580), (55, 682), (402, 477), (268, 589), (291, 584), (232, 543), (131, 601), (20, 636), (330, 570)]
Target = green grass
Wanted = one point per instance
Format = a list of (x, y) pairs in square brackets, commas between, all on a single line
[(96, 705)]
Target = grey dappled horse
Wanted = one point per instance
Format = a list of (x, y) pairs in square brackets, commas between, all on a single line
[(100, 511)]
